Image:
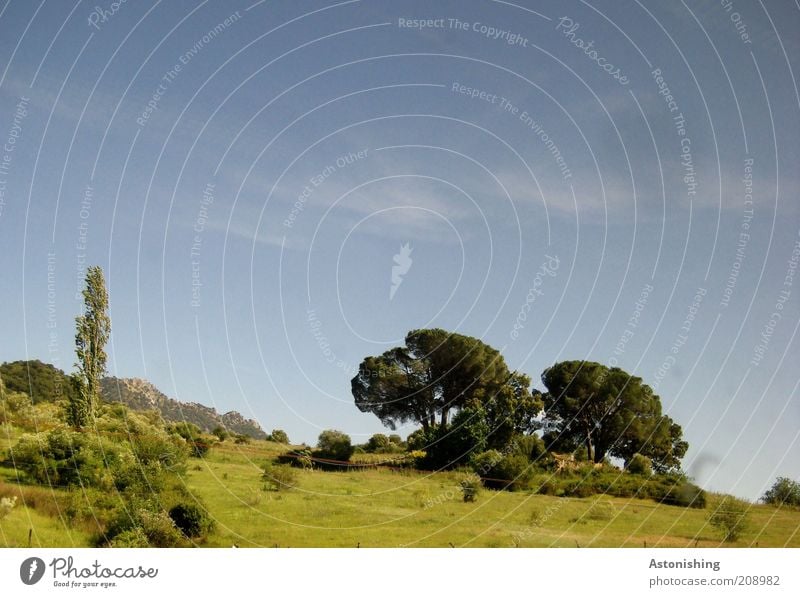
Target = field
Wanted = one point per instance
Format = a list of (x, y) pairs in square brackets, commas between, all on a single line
[(387, 508)]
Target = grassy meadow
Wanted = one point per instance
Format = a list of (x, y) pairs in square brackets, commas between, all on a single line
[(389, 508)]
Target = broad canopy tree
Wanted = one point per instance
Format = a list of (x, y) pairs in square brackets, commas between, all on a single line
[(440, 379), (436, 375), (611, 413)]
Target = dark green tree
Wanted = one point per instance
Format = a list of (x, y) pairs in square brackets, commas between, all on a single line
[(93, 327), (611, 413), (437, 374), (377, 443), (279, 436), (334, 445), (784, 492)]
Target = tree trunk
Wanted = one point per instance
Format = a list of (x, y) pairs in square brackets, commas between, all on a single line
[(589, 451)]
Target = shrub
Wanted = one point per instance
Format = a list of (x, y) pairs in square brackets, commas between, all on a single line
[(470, 485), (730, 517), (530, 446), (279, 436), (784, 492), (416, 440), (199, 447), (63, 458), (640, 465), (144, 520), (221, 433), (509, 471), (683, 494), (484, 463), (279, 477), (300, 457), (134, 537), (241, 438), (191, 520), (334, 445)]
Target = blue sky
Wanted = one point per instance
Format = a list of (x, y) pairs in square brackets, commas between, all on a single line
[(247, 206)]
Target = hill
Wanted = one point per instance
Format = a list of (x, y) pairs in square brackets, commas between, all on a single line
[(41, 381), (45, 383), (390, 508), (139, 394)]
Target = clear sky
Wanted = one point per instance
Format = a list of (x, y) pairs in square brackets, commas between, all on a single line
[(614, 181)]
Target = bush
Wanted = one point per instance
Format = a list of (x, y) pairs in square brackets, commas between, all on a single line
[(300, 457), (640, 465), (509, 471), (64, 458), (191, 520), (516, 470), (378, 442), (279, 436), (280, 477), (134, 537), (417, 441), (221, 433), (466, 435), (685, 494), (784, 492), (730, 517), (144, 520), (334, 445), (241, 438), (530, 446), (470, 485)]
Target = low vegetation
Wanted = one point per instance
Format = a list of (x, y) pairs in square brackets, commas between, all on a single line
[(488, 467)]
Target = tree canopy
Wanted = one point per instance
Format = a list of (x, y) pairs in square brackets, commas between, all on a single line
[(437, 375), (611, 413), (92, 329)]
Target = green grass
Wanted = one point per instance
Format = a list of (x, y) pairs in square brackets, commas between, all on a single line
[(385, 508)]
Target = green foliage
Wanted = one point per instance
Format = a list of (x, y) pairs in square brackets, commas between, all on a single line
[(299, 457), (640, 465), (511, 471), (396, 440), (42, 382), (62, 458), (197, 443), (93, 328), (221, 433), (417, 440), (134, 537), (378, 442), (530, 446), (241, 438), (730, 517), (437, 374), (612, 413), (599, 510), (334, 445), (279, 436), (470, 485), (784, 492), (191, 520), (279, 477), (455, 445)]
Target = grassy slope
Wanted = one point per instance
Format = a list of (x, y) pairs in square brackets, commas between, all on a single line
[(390, 509)]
